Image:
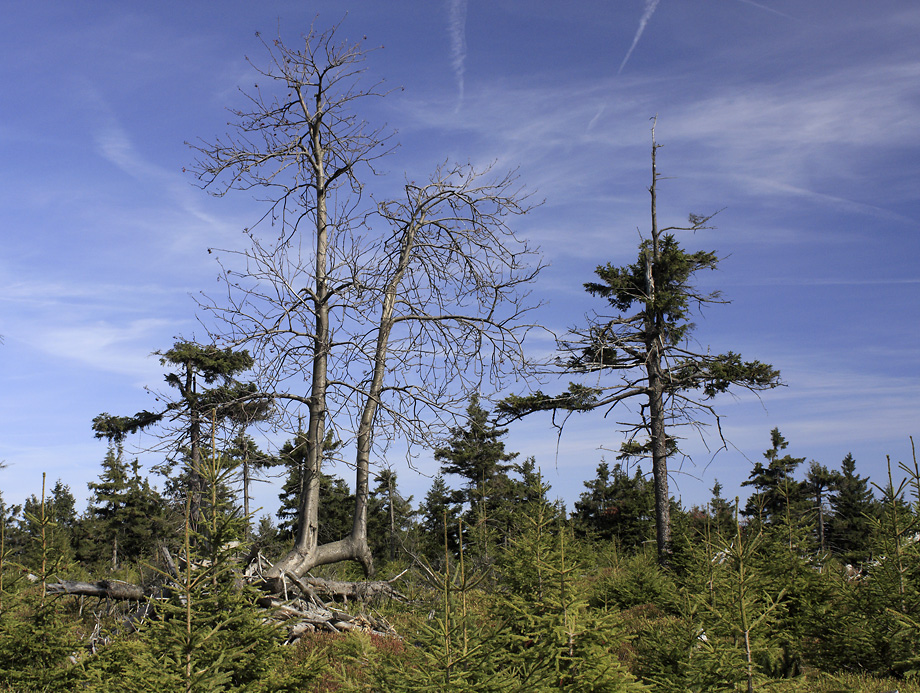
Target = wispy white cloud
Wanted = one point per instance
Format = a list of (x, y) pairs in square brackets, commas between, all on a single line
[(117, 147), (826, 396), (456, 28), (105, 346), (104, 326), (114, 143), (650, 6), (36, 294), (597, 117), (814, 137), (865, 106), (823, 398), (822, 281)]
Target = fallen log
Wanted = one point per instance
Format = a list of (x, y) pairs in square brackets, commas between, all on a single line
[(104, 589), (309, 587)]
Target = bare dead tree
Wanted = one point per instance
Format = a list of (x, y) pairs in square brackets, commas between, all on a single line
[(379, 317)]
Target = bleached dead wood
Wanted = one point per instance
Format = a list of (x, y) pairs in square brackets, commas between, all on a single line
[(301, 617), (104, 589)]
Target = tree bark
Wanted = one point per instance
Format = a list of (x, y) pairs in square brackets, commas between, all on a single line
[(248, 535), (653, 343), (660, 468), (392, 538)]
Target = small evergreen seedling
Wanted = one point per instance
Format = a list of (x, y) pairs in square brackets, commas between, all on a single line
[(208, 634)]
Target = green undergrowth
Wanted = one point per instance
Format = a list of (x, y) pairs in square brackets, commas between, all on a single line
[(742, 608)]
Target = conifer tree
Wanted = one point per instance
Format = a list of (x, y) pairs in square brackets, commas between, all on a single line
[(293, 455), (476, 453), (720, 509), (529, 482), (243, 412), (208, 635), (775, 491), (646, 345), (34, 640), (849, 531), (745, 605), (48, 522), (507, 494), (192, 367), (441, 505), (126, 515), (819, 481), (333, 518), (617, 506), (552, 639), (389, 515), (250, 461), (10, 539)]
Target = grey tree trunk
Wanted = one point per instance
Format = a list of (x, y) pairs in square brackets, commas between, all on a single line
[(656, 386)]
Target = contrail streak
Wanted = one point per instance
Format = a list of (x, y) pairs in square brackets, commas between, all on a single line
[(456, 27), (650, 6), (764, 7)]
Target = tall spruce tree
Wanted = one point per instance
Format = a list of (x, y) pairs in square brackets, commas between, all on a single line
[(551, 634), (334, 519), (721, 511), (646, 344), (820, 482), (209, 634), (476, 453), (775, 491), (126, 516), (849, 530), (49, 522), (389, 515), (11, 542), (243, 412), (250, 462), (331, 521)]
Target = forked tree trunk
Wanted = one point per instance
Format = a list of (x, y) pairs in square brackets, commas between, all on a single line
[(307, 553), (306, 146)]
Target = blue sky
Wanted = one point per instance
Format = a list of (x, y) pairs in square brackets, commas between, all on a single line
[(799, 119)]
